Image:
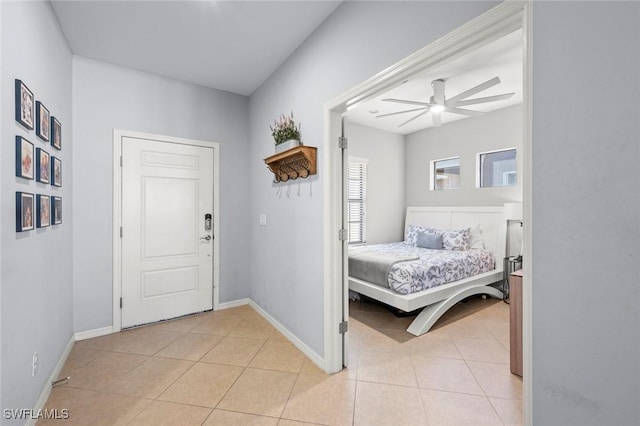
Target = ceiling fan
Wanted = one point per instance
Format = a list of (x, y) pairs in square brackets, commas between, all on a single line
[(438, 103)]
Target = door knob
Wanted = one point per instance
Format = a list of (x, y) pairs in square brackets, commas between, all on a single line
[(207, 238)]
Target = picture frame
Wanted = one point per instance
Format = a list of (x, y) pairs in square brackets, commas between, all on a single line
[(42, 121), (56, 171), (42, 165), (25, 162), (24, 211), (43, 211), (24, 104), (56, 210), (56, 133)]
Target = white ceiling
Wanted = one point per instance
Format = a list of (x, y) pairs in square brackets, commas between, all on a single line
[(226, 45), (501, 58)]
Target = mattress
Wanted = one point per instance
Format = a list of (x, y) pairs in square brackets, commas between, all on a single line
[(431, 269)]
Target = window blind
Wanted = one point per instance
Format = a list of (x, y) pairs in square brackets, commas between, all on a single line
[(357, 182)]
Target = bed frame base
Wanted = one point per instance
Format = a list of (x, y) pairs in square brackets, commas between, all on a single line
[(429, 315)]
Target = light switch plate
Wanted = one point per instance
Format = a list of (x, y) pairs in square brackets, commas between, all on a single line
[(263, 220)]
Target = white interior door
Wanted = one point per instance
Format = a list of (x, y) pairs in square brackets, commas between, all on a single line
[(167, 245), (345, 243)]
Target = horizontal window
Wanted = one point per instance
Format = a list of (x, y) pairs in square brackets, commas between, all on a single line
[(445, 174), (497, 168)]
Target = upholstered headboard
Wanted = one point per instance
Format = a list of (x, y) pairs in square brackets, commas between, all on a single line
[(491, 221)]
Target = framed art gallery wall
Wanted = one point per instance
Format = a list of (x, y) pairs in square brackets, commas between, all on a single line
[(36, 264)]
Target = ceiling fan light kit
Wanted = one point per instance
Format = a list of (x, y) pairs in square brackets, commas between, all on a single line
[(438, 103)]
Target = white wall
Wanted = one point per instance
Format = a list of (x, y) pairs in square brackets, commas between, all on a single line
[(586, 210), (385, 152), (36, 268), (107, 97), (358, 40), (464, 138)]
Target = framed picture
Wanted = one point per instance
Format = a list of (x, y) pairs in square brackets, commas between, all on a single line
[(43, 211), (56, 133), (24, 211), (42, 165), (24, 158), (56, 210), (24, 105), (42, 121), (56, 171)]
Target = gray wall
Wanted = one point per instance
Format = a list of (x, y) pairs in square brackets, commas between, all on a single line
[(464, 138), (586, 205), (358, 40), (1, 217), (107, 97), (36, 268), (385, 180)]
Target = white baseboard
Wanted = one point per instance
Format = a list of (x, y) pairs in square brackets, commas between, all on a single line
[(310, 353), (96, 332), (233, 304), (46, 391)]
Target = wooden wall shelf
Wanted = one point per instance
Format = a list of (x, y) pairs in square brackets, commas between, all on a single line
[(294, 163)]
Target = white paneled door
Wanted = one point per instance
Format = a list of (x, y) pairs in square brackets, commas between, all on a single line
[(167, 240)]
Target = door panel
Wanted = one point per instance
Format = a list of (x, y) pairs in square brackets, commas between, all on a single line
[(169, 281), (167, 266), (175, 231)]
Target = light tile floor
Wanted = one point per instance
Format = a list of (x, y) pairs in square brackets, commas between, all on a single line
[(232, 367)]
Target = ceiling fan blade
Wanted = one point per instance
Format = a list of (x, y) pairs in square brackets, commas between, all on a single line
[(404, 101), (437, 119), (483, 100), (401, 112), (461, 111), (479, 88), (413, 118), (438, 91)]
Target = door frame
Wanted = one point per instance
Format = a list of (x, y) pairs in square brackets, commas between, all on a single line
[(500, 20), (118, 134)]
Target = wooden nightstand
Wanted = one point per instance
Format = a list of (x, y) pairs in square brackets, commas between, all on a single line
[(515, 321)]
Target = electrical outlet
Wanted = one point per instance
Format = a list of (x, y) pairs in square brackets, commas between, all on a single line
[(34, 365)]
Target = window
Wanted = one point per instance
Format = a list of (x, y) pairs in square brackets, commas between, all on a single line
[(445, 174), (357, 181), (497, 168)]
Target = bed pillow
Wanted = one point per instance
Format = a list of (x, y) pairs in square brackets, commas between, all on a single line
[(456, 239), (429, 240), (475, 238), (412, 233)]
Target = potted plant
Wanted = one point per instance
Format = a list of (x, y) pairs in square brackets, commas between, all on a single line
[(286, 133)]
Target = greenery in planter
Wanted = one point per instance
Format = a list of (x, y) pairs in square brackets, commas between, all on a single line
[(285, 129)]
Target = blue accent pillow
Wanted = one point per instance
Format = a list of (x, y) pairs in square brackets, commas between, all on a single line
[(429, 240)]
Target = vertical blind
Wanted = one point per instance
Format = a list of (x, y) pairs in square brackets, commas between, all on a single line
[(357, 181)]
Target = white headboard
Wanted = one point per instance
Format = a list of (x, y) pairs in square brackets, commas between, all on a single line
[(491, 221)]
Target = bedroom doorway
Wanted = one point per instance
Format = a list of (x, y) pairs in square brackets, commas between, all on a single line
[(496, 23)]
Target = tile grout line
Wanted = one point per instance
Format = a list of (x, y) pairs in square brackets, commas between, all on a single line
[(244, 369)]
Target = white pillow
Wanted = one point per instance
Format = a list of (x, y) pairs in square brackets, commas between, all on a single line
[(475, 239)]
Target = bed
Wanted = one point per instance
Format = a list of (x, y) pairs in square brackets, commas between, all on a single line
[(434, 296)]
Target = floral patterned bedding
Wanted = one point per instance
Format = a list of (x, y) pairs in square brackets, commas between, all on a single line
[(434, 268)]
